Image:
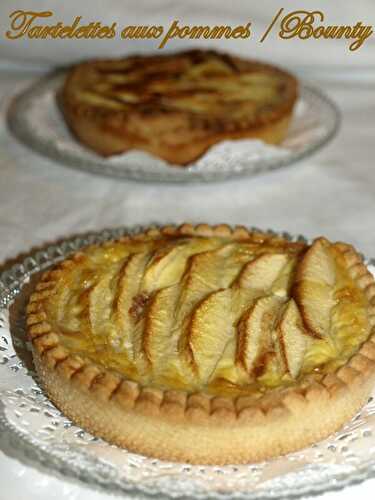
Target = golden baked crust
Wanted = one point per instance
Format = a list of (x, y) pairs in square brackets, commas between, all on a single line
[(207, 344), (176, 106)]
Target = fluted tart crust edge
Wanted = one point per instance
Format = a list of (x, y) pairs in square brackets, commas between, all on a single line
[(196, 427)]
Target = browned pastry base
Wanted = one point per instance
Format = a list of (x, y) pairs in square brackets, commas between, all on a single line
[(191, 435), (196, 426), (106, 142), (176, 106)]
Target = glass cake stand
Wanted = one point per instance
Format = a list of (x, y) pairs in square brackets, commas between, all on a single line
[(37, 431), (35, 118)]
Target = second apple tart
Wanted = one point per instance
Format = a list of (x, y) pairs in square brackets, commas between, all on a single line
[(176, 106)]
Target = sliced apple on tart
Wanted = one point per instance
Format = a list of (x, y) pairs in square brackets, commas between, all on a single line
[(254, 332), (291, 340), (314, 288)]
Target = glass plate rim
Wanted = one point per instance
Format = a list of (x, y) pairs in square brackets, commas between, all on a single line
[(11, 282), (19, 128)]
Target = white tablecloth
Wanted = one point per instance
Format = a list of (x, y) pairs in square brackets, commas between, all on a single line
[(333, 193), (315, 54)]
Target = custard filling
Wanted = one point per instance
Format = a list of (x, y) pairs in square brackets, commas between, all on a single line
[(211, 314)]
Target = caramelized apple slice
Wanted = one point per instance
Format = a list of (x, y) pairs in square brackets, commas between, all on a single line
[(227, 369), (243, 299), (207, 333), (284, 282), (314, 292), (69, 303), (206, 272), (254, 331), (168, 263), (263, 271), (315, 302), (129, 280), (156, 340), (205, 269), (317, 264), (164, 267), (291, 340), (267, 369), (100, 298)]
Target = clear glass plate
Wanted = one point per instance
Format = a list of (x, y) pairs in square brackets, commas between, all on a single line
[(35, 118), (38, 431)]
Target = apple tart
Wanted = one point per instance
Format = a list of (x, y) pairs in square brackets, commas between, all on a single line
[(207, 344), (176, 106)]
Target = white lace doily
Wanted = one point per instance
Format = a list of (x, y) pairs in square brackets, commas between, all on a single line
[(36, 430), (36, 120)]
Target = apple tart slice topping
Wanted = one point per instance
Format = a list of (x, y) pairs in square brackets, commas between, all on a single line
[(210, 313)]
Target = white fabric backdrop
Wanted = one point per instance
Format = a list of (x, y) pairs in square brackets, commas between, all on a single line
[(318, 54)]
